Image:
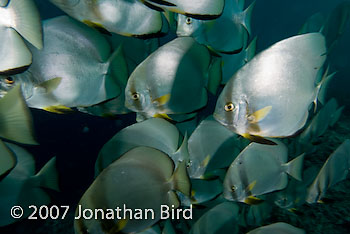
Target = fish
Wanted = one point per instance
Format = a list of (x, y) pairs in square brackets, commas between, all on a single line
[(75, 68), (15, 118), (155, 132), (23, 187), (157, 86), (260, 169), (269, 97), (149, 185), (7, 160), (125, 17), (334, 170), (19, 19), (200, 9), (226, 34), (211, 146), (222, 218), (277, 228), (294, 195)]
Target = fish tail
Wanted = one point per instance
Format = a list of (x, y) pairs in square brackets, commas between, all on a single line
[(251, 49), (27, 21), (117, 74), (16, 117), (246, 17), (181, 180), (322, 87), (294, 167), (182, 151), (47, 177)]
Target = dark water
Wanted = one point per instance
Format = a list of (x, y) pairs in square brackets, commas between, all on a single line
[(63, 136)]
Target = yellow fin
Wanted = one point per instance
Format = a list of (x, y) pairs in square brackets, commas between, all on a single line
[(251, 186), (205, 162), (121, 223), (162, 115), (251, 200), (293, 210), (320, 201), (259, 115), (258, 139), (193, 199), (193, 193), (60, 109), (162, 100)]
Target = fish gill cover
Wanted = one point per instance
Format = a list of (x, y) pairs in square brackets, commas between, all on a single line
[(177, 116)]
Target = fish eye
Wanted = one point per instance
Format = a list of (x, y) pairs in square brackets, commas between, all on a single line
[(233, 188), (188, 20), (229, 107), (9, 80), (135, 96)]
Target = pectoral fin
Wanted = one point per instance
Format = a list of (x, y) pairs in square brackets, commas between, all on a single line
[(162, 115), (259, 115), (60, 109), (51, 85), (251, 200), (162, 100)]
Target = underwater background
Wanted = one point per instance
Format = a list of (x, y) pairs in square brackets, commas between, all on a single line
[(76, 149)]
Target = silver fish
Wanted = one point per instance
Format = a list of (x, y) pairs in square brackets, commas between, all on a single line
[(76, 68), (23, 187), (335, 169), (125, 17), (270, 95), (227, 34), (260, 169), (149, 185), (155, 132), (170, 80), (211, 146)]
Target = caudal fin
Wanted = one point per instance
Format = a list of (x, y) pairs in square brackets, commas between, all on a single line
[(16, 120), (27, 21), (247, 16), (47, 177), (181, 180), (7, 160), (16, 54), (294, 167), (321, 89)]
